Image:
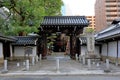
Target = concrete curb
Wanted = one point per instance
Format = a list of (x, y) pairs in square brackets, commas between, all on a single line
[(59, 74)]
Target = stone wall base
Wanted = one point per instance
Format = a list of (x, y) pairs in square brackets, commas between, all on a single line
[(112, 59)]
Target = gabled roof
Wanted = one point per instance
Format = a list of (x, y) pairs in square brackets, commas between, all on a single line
[(65, 20), (25, 41), (111, 32), (64, 24)]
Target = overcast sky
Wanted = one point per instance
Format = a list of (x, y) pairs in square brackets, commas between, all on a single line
[(80, 7)]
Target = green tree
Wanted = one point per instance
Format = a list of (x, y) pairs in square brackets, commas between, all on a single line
[(25, 15), (52, 7)]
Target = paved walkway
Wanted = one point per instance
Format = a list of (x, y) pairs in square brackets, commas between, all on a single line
[(66, 67)]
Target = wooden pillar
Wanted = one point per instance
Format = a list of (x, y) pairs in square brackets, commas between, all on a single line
[(6, 50), (72, 52), (39, 48), (78, 47), (44, 46)]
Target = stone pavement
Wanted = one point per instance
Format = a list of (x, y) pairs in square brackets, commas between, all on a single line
[(66, 67)]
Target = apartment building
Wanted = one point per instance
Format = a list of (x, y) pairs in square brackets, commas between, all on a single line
[(91, 21), (105, 12)]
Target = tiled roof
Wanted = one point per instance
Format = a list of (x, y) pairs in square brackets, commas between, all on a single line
[(63, 24), (5, 38), (112, 31), (65, 20), (25, 40)]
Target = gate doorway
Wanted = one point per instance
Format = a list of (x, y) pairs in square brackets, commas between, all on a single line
[(71, 26)]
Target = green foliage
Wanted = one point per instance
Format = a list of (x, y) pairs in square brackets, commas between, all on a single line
[(53, 7), (89, 30), (3, 25), (26, 15)]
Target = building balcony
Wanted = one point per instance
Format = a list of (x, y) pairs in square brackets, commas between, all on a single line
[(111, 13), (111, 3), (111, 8)]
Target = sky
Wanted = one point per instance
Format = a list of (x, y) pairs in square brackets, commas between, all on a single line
[(80, 7)]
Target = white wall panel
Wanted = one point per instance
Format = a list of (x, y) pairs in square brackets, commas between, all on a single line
[(119, 49), (1, 50), (20, 51), (112, 50), (104, 49)]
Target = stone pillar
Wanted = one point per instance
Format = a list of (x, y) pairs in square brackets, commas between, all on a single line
[(107, 64), (83, 59), (18, 64), (90, 42), (5, 65), (89, 63), (57, 64), (27, 65), (91, 46)]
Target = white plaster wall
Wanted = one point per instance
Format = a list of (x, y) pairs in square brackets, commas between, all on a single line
[(112, 50), (20, 51), (119, 49), (1, 50), (104, 50)]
